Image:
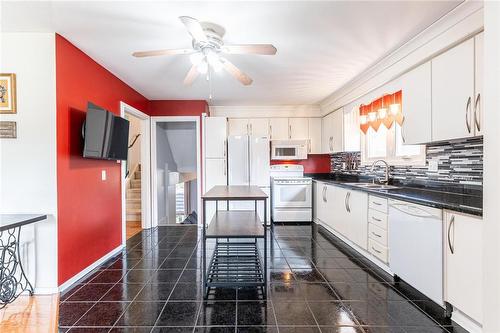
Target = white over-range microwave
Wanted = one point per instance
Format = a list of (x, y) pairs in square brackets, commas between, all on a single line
[(289, 149)]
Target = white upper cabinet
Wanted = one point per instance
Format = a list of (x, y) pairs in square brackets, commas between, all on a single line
[(453, 93), (332, 129), (258, 127), (278, 128), (215, 137), (352, 137), (314, 135), (479, 71), (417, 105), (238, 126), (298, 128), (463, 263)]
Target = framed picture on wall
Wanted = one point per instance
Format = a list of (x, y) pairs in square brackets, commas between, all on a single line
[(7, 93)]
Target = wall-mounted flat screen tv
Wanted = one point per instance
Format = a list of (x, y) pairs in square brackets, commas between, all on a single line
[(105, 135)]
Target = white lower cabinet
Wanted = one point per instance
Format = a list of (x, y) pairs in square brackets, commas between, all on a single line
[(463, 263), (348, 211)]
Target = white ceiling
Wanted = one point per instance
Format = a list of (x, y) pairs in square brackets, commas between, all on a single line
[(321, 45)]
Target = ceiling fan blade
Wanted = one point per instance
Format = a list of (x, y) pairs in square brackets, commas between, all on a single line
[(162, 52), (264, 49), (191, 76), (194, 27), (236, 72)]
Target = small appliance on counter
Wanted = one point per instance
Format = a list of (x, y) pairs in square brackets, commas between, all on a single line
[(291, 194)]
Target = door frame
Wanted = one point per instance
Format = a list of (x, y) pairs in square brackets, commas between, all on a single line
[(154, 192), (146, 221)]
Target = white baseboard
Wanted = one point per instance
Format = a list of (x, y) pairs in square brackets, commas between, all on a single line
[(46, 291), (89, 268), (466, 322)]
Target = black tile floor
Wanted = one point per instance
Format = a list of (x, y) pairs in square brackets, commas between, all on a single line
[(316, 284)]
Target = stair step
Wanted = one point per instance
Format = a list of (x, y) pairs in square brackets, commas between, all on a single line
[(133, 204), (133, 193), (133, 217), (131, 210), (135, 183), (137, 175)]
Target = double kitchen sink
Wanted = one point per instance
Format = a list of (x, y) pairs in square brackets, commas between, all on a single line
[(374, 186)]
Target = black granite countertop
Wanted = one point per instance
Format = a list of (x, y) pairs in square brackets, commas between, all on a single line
[(455, 198)]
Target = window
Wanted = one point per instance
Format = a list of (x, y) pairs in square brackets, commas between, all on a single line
[(387, 144)]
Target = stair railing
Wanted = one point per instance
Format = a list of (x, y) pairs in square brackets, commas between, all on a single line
[(130, 146)]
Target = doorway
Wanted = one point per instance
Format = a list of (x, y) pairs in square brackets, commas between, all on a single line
[(136, 184), (176, 171)]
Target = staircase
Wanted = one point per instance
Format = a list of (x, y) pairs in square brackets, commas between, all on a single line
[(133, 196)]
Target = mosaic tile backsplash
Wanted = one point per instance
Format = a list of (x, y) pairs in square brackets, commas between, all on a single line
[(459, 162)]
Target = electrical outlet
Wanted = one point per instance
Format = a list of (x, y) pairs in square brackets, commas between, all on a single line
[(433, 165), (103, 175)]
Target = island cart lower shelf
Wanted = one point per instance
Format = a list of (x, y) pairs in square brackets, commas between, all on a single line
[(236, 260)]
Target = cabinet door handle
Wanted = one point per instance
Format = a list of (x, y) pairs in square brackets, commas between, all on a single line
[(450, 245), (309, 146), (374, 249), (477, 105), (225, 148), (376, 203), (251, 129), (346, 202), (467, 108), (289, 131), (376, 219), (331, 143), (324, 193), (270, 131), (225, 167), (375, 234)]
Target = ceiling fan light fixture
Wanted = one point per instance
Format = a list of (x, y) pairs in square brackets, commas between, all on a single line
[(196, 58), (202, 67)]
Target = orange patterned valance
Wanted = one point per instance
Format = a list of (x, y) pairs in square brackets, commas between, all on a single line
[(384, 110)]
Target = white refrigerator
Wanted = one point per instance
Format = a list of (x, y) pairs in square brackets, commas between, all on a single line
[(248, 164)]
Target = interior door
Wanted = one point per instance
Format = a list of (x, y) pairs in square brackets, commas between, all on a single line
[(453, 93)]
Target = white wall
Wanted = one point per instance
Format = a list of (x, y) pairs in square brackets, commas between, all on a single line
[(28, 163)]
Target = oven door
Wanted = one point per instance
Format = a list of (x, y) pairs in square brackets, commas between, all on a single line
[(292, 196)]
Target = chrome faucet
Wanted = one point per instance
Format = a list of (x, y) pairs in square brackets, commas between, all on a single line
[(386, 177)]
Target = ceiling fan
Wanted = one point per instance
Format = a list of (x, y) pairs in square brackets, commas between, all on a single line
[(207, 50)]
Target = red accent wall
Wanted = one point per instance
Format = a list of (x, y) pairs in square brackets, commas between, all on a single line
[(177, 108), (314, 164), (89, 210)]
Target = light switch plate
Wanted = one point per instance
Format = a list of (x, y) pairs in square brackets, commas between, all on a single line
[(103, 175), (433, 165)]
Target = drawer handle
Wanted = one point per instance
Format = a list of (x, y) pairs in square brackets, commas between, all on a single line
[(373, 233), (377, 203), (376, 219), (374, 249)]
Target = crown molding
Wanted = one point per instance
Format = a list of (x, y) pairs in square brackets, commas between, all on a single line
[(265, 111)]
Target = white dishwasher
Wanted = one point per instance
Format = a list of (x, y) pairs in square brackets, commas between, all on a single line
[(416, 247)]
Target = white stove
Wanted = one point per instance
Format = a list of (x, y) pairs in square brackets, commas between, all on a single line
[(291, 194)]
